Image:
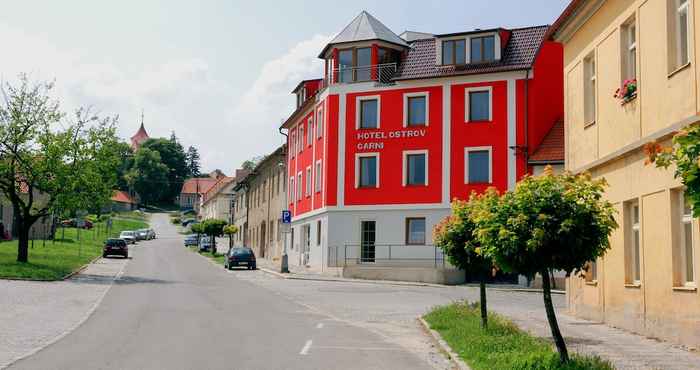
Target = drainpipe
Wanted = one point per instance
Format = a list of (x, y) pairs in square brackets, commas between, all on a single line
[(527, 104), (284, 264)]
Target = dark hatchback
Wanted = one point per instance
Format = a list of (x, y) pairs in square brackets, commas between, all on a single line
[(240, 256), (115, 247)]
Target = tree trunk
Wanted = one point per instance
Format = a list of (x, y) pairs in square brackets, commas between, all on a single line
[(213, 245), (23, 241), (230, 241), (552, 318), (482, 301)]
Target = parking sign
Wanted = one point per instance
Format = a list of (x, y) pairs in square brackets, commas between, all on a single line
[(286, 217)]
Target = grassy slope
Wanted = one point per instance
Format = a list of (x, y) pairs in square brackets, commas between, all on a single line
[(502, 345), (53, 261), (219, 258)]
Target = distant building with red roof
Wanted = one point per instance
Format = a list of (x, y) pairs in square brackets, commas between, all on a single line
[(550, 152), (193, 190), (139, 137), (122, 201)]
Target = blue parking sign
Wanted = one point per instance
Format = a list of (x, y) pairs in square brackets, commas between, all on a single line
[(286, 217)]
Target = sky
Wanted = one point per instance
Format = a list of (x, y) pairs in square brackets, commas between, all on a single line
[(217, 73)]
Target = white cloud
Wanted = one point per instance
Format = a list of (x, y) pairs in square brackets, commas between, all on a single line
[(183, 95)]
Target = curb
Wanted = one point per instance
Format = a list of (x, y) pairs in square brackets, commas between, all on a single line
[(437, 338), (65, 277), (292, 276)]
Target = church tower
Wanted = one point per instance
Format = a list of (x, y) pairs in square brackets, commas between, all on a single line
[(139, 137)]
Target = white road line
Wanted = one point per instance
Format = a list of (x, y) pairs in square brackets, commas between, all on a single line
[(305, 351), (319, 326), (363, 348)]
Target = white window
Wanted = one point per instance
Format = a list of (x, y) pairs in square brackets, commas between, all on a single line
[(415, 231), (308, 181), (367, 170), (415, 109), (367, 112), (301, 136), (633, 243), (292, 144), (679, 34), (478, 105), (300, 188), (478, 165), (310, 131), (319, 124), (687, 241), (589, 93), (292, 189), (318, 180), (415, 167), (629, 49)]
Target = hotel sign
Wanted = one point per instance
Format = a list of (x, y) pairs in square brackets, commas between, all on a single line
[(382, 136)]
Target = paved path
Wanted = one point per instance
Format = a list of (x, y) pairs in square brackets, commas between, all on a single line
[(34, 314), (172, 309)]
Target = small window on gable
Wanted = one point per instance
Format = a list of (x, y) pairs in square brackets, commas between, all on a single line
[(454, 52), (482, 49)]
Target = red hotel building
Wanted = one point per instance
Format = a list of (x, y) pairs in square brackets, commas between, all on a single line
[(401, 125)]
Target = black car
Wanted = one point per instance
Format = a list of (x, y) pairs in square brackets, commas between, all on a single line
[(115, 247), (240, 256)]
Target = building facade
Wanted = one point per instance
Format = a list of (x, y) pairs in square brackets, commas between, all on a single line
[(647, 281), (399, 126), (218, 201), (193, 190), (263, 194)]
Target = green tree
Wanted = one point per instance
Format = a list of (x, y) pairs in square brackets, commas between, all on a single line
[(47, 164), (685, 155), (213, 228), (251, 163), (173, 157), (230, 230), (148, 176), (548, 222), (126, 161), (193, 169), (455, 236)]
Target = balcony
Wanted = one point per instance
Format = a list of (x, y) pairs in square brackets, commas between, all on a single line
[(381, 74)]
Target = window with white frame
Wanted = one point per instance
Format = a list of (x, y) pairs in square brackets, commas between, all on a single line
[(589, 93), (319, 123), (415, 167), (633, 243), (292, 144), (629, 49), (292, 189), (368, 112), (308, 181), (310, 131), (685, 246), (415, 231), (678, 34), (482, 49), (301, 136), (478, 104), (318, 177), (300, 188), (415, 109), (367, 170), (477, 165)]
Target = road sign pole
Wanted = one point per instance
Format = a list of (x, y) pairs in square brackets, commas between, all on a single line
[(286, 220)]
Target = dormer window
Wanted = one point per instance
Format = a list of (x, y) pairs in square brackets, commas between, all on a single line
[(482, 49), (453, 52), (301, 96)]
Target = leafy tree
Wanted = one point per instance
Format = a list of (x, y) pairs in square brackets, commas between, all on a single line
[(230, 230), (148, 176), (213, 228), (547, 222), (455, 236), (251, 163), (685, 154), (126, 161), (192, 156), (173, 157), (47, 164)]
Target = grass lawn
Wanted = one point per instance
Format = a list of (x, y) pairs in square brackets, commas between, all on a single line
[(219, 258), (502, 346), (53, 260)]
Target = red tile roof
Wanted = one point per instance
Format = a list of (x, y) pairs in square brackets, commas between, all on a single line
[(198, 185), (216, 188), (519, 53), (551, 149), (122, 197)]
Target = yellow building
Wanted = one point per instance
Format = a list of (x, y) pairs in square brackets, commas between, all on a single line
[(647, 282)]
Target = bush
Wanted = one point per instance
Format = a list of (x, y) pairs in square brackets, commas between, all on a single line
[(175, 220)]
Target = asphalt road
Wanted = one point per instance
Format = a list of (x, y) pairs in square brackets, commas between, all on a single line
[(171, 309)]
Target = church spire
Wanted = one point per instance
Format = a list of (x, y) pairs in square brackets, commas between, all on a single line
[(140, 136)]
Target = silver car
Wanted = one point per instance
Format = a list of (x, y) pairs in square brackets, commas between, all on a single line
[(128, 236)]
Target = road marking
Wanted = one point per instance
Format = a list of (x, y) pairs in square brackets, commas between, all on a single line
[(319, 326), (305, 350), (362, 348)]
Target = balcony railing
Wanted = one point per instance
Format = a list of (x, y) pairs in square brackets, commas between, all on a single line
[(386, 255), (381, 74)]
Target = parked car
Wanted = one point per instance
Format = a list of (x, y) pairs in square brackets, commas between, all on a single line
[(189, 221), (128, 236), (115, 247), (151, 234), (73, 222), (141, 234), (240, 256), (205, 244), (191, 240)]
